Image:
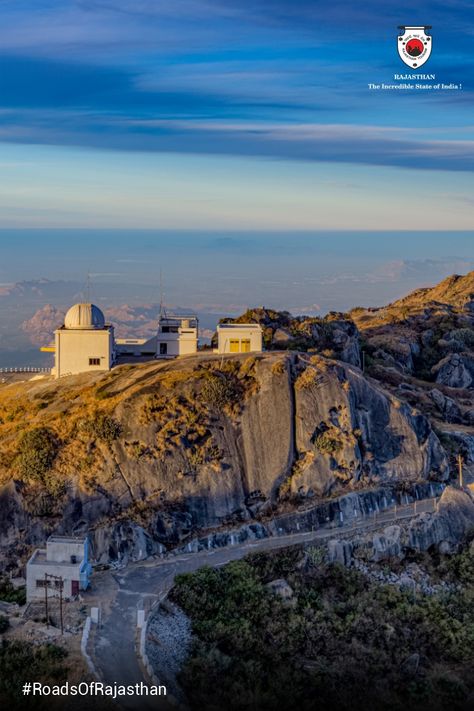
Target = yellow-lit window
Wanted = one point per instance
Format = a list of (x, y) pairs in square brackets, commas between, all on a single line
[(245, 345), (234, 345)]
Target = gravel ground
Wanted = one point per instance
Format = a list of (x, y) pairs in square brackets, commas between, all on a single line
[(167, 645)]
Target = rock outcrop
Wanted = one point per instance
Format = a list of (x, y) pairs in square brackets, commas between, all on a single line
[(335, 335), (442, 530), (347, 429), (455, 371), (447, 407), (159, 456)]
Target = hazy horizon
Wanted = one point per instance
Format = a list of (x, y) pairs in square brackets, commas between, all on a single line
[(215, 273), (299, 271)]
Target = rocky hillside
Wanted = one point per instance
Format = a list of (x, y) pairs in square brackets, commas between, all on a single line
[(153, 454), (422, 349), (184, 446), (334, 336), (420, 333)]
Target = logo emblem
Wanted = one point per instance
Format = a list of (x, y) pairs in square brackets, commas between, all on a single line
[(414, 45)]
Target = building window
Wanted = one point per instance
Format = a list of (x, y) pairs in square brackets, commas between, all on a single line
[(234, 345), (94, 361), (245, 345), (163, 348)]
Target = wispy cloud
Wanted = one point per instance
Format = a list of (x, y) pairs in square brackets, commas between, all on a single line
[(340, 143), (255, 79)]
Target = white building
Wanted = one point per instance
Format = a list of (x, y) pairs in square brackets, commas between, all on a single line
[(177, 336), (84, 343), (239, 338), (66, 560), (140, 347)]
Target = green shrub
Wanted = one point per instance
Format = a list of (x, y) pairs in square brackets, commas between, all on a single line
[(4, 624), (25, 661), (103, 427), (218, 391), (341, 640), (328, 442), (9, 593), (37, 450)]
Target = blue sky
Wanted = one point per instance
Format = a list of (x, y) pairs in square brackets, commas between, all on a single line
[(232, 114)]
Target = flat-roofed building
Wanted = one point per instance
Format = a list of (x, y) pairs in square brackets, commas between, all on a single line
[(64, 562), (140, 347), (239, 338), (177, 336)]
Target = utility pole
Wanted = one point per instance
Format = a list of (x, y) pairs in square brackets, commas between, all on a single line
[(61, 604), (161, 294), (460, 463), (46, 598), (60, 585)]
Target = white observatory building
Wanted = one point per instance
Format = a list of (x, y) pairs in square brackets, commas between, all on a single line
[(84, 343)]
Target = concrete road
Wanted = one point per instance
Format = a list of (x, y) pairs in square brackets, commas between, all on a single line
[(141, 585)]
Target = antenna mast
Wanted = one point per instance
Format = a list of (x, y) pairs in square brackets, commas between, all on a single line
[(161, 294)]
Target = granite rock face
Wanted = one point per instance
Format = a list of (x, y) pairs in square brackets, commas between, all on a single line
[(302, 426), (348, 429), (447, 407), (455, 371), (442, 530)]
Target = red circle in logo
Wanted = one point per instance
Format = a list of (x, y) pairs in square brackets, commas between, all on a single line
[(414, 47)]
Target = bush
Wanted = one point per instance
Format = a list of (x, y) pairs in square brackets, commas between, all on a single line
[(8, 593), (341, 640), (37, 451), (103, 427), (219, 391), (328, 442), (279, 367), (25, 661), (4, 624)]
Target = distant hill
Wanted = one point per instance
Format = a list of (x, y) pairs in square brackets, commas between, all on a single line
[(456, 290)]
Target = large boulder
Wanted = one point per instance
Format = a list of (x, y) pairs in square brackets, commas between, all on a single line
[(455, 371), (344, 339), (396, 349), (446, 528), (448, 408)]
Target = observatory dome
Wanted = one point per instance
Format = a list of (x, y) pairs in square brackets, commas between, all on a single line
[(84, 316)]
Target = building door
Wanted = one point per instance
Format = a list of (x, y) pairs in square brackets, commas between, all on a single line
[(74, 587), (163, 348), (245, 345), (234, 345)]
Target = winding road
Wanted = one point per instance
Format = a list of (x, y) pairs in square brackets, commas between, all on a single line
[(141, 585)]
